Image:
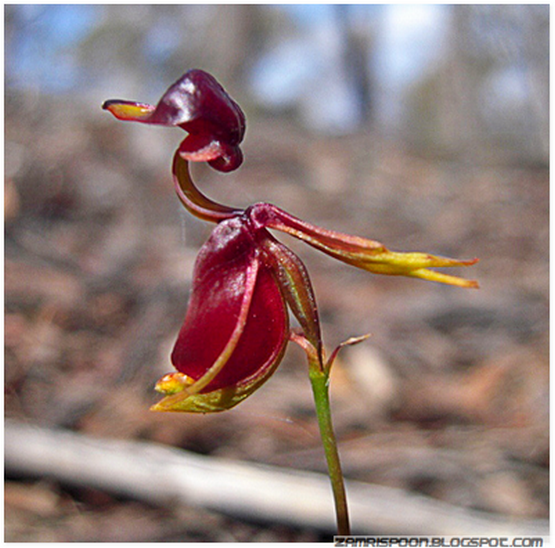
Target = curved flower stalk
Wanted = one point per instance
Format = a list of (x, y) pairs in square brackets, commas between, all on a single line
[(245, 281)]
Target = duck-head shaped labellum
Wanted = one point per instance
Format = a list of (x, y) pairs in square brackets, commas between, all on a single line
[(198, 104), (236, 327)]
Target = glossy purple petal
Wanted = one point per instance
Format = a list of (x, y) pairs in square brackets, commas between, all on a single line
[(198, 104), (232, 290)]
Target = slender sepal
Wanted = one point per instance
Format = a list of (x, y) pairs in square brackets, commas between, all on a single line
[(360, 252), (295, 285)]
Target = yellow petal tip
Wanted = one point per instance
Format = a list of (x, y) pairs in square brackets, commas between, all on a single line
[(127, 110)]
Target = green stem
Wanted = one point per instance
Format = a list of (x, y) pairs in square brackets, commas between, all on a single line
[(320, 387), (319, 374)]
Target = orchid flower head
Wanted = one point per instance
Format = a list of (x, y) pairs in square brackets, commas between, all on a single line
[(198, 104), (245, 282)]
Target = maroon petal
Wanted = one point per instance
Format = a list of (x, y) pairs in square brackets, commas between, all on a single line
[(200, 105), (233, 292), (204, 148)]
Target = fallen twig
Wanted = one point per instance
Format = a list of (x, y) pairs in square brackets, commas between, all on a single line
[(164, 475)]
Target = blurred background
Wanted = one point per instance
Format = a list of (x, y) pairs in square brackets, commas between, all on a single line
[(424, 127)]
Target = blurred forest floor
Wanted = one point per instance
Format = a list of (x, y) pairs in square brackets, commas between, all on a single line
[(449, 397)]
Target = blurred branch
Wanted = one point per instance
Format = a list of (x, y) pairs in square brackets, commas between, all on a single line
[(163, 475)]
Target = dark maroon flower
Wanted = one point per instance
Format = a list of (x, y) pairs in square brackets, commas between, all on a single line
[(198, 104), (236, 327)]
